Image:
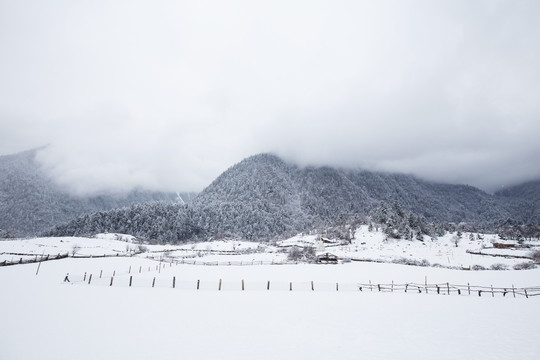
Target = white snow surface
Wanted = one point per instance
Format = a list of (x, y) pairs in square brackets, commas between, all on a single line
[(44, 317), (365, 246)]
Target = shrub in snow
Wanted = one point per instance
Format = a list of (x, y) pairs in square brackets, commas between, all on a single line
[(294, 254), (499, 266), (477, 267), (535, 255), (525, 266), (301, 254), (405, 261)]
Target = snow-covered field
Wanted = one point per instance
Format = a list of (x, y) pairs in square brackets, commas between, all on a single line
[(365, 246), (44, 317)]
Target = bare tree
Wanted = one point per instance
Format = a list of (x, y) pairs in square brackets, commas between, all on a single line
[(75, 249)]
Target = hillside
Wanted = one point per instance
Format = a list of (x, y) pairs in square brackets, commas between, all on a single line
[(30, 202), (523, 200), (263, 196)]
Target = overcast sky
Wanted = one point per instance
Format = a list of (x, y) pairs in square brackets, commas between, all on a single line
[(168, 94)]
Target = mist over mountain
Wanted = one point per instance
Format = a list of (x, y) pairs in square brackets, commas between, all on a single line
[(31, 202), (264, 196)]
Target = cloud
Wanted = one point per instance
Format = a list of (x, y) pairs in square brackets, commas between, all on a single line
[(168, 95)]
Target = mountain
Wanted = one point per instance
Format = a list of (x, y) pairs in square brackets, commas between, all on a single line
[(523, 201), (264, 196), (30, 201), (527, 191)]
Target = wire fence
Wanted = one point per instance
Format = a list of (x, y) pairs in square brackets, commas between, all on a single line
[(184, 261), (139, 277)]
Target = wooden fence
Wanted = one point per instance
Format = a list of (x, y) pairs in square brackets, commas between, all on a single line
[(451, 289), (29, 258), (34, 258)]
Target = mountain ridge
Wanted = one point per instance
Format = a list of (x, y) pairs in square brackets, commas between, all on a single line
[(263, 196)]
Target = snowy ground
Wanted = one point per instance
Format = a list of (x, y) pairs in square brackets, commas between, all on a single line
[(366, 246), (43, 317)]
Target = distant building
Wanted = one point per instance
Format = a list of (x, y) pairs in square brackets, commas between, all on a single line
[(327, 258)]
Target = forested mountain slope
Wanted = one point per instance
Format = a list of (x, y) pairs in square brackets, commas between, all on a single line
[(30, 202), (523, 201), (263, 196)]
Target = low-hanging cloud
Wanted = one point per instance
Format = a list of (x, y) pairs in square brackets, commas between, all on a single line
[(167, 95)]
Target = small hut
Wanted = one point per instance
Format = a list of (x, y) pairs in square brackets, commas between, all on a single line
[(327, 258)]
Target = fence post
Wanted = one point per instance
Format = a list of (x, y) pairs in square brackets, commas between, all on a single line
[(392, 288), (479, 292), (37, 271), (312, 287), (174, 282), (526, 295), (448, 288), (337, 286), (268, 285), (438, 289), (469, 288), (370, 287), (492, 293), (130, 280), (242, 284), (219, 287), (112, 279), (100, 273), (84, 279), (379, 286), (154, 281), (90, 279), (140, 269), (290, 286), (513, 290), (198, 283), (129, 271), (406, 287), (114, 273)]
